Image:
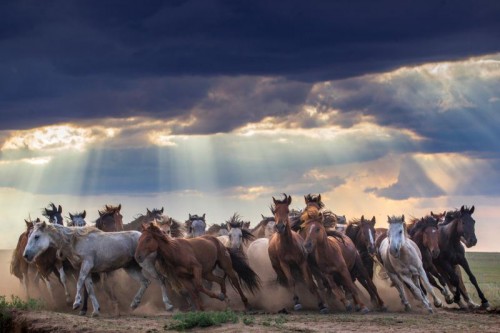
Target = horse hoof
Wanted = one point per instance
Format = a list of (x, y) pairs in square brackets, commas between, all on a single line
[(438, 303), (297, 307), (324, 310), (485, 305), (449, 300), (134, 305), (222, 296), (348, 307), (407, 307), (76, 305), (82, 313), (95, 314), (169, 307), (472, 305), (364, 310)]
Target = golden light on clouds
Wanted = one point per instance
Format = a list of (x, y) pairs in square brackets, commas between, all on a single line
[(56, 138)]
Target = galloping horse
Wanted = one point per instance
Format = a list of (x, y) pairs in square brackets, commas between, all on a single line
[(337, 259), (187, 261), (77, 219), (151, 215), (171, 227), (195, 225), (362, 233), (425, 234), (110, 219), (288, 254), (458, 227), (91, 249), (18, 266), (402, 261), (237, 235)]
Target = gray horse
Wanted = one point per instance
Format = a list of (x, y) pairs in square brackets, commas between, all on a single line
[(94, 251)]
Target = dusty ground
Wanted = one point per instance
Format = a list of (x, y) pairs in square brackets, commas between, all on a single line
[(149, 317), (442, 321)]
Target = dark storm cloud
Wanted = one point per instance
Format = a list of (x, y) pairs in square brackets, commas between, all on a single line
[(67, 60)]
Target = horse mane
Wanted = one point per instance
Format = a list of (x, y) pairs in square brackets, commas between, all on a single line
[(329, 219), (235, 221), (53, 210), (247, 235), (311, 198), (157, 211), (417, 225), (451, 216), (176, 228), (353, 227)]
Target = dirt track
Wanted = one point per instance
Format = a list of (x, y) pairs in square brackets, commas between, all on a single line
[(442, 321)]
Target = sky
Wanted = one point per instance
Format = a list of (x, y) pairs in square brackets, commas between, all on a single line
[(383, 107)]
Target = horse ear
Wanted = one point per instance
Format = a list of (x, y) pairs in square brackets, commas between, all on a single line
[(47, 212), (190, 216), (100, 213), (119, 207), (319, 198), (84, 214), (462, 209), (472, 210), (403, 217), (262, 217), (388, 218), (274, 200), (362, 217), (161, 210), (37, 219), (203, 218), (289, 200), (43, 225), (373, 221), (59, 210), (70, 216), (305, 199), (148, 212)]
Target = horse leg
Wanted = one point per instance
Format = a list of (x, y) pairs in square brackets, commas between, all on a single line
[(339, 293), (62, 280), (291, 284), (89, 285), (442, 286), (313, 288), (84, 309), (135, 272), (428, 286), (148, 265), (416, 291), (347, 282), (108, 288), (84, 272), (362, 273), (226, 266), (400, 287), (465, 264), (198, 284)]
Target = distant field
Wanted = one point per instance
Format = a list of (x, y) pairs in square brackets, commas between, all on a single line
[(486, 268)]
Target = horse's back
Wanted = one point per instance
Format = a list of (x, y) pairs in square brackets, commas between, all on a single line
[(347, 248)]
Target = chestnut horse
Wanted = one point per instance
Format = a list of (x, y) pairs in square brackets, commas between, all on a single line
[(188, 261), (288, 254), (18, 266), (338, 259), (458, 227)]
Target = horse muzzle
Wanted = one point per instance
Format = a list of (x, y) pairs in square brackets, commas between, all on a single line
[(308, 246), (394, 252), (280, 227), (28, 256), (435, 253)]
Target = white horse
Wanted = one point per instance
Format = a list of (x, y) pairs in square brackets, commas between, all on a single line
[(402, 261), (94, 251)]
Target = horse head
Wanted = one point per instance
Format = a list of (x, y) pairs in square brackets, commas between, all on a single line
[(280, 210), (430, 235), (110, 219), (78, 219), (315, 232), (196, 225), (148, 242), (467, 226), (53, 214), (367, 233), (38, 241), (396, 234)]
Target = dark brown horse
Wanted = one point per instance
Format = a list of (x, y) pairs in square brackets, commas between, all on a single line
[(53, 214), (288, 254), (362, 233), (337, 258), (424, 232), (458, 227), (194, 259)]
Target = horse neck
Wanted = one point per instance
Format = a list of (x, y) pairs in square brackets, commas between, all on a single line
[(165, 247), (287, 236), (448, 233)]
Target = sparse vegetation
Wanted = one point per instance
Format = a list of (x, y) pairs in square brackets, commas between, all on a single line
[(184, 321), (15, 303)]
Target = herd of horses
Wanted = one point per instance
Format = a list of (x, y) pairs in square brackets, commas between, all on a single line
[(312, 246)]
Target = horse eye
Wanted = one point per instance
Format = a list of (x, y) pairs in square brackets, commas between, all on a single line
[(36, 237), (400, 231)]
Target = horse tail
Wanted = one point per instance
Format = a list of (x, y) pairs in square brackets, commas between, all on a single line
[(336, 234), (15, 265), (250, 279)]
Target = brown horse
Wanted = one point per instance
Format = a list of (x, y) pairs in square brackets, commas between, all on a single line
[(18, 266), (171, 227), (288, 254), (337, 259), (45, 264), (194, 259), (265, 228), (458, 227), (425, 234), (362, 233), (151, 215)]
